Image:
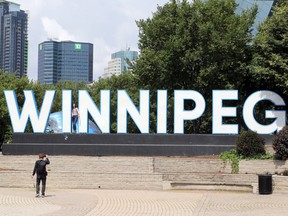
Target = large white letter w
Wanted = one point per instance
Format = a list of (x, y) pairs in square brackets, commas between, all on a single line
[(29, 110)]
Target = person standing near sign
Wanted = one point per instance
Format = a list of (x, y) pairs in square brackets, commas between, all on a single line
[(75, 115), (40, 170)]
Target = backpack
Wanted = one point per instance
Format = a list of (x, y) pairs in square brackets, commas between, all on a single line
[(41, 169)]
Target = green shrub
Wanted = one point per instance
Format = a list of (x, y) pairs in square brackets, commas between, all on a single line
[(250, 144), (280, 144), (231, 156), (285, 173), (8, 135)]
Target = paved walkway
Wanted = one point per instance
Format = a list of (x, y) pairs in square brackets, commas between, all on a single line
[(16, 201)]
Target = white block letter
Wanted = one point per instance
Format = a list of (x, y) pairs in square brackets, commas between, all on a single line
[(180, 114), (125, 105), (29, 111), (162, 111), (66, 110), (248, 112), (218, 112), (101, 117)]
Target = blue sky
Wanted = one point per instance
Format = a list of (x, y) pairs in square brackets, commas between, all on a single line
[(109, 25)]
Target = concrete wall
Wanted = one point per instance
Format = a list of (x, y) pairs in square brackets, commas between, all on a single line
[(262, 166), (121, 144), (147, 173)]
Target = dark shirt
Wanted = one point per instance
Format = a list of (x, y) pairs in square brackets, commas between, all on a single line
[(37, 164)]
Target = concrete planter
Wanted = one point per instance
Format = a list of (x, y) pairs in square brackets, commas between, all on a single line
[(262, 166)]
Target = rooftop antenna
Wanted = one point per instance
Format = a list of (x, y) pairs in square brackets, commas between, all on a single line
[(127, 47)]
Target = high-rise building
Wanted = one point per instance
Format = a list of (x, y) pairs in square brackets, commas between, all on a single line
[(119, 63), (65, 61), (13, 38), (264, 10)]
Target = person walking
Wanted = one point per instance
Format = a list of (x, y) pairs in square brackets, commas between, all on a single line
[(75, 115), (40, 170)]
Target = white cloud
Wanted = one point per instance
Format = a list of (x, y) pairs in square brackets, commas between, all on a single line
[(54, 30), (109, 25), (126, 36), (102, 54), (136, 10)]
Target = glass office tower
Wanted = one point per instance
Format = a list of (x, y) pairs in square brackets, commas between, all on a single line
[(119, 63), (125, 55), (13, 38), (65, 61), (264, 10)]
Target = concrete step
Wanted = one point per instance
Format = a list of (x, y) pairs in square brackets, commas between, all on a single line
[(154, 173), (85, 180), (186, 165), (190, 186), (211, 178), (84, 164), (210, 181)]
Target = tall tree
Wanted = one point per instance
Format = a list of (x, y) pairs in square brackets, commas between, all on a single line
[(270, 61), (203, 45), (125, 81), (10, 82)]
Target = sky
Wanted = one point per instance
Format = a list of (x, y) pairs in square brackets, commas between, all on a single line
[(109, 25)]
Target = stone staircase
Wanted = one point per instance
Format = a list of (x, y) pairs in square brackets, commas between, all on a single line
[(280, 184), (144, 173), (82, 172)]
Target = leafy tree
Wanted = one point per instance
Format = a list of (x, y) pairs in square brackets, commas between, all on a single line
[(203, 45), (67, 85), (125, 81), (270, 61), (10, 82), (269, 67), (280, 144)]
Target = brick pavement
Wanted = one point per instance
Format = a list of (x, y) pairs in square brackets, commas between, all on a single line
[(58, 202)]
